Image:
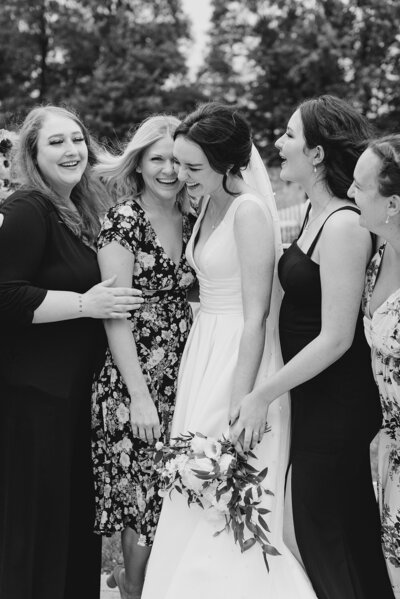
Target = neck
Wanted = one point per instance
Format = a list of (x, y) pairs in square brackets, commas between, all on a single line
[(318, 195), (220, 197), (393, 239), (164, 206)]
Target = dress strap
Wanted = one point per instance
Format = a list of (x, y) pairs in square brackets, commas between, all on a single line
[(305, 219), (314, 243)]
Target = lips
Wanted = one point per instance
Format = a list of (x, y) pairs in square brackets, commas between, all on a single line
[(168, 181), (70, 164)]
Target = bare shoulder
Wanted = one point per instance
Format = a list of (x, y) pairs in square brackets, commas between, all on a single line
[(342, 232), (251, 208)]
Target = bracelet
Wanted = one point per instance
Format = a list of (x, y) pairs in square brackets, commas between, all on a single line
[(80, 303)]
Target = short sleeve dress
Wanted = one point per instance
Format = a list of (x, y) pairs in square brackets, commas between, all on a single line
[(124, 494), (382, 329)]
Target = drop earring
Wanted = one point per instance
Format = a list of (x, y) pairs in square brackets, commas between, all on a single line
[(387, 220), (315, 169)]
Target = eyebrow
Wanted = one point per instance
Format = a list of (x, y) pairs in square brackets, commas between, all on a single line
[(191, 164), (62, 134)]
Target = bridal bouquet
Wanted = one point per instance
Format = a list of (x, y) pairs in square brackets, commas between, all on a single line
[(213, 475)]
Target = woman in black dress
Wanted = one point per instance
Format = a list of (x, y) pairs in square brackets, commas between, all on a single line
[(335, 407), (52, 340)]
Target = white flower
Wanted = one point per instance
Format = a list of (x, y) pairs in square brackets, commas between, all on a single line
[(125, 210), (222, 503), (140, 499), (123, 413), (104, 517), (107, 224), (146, 260), (212, 449), (205, 465), (124, 460), (126, 444), (190, 480), (186, 279), (183, 326), (156, 357), (198, 444), (113, 375), (225, 462), (159, 445)]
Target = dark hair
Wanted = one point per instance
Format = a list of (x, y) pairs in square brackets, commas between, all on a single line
[(388, 151), (223, 134), (342, 132)]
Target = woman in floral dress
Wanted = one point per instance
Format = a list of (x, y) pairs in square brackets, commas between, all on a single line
[(142, 241), (376, 190)]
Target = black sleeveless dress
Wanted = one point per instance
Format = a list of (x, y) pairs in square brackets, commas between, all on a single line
[(335, 416)]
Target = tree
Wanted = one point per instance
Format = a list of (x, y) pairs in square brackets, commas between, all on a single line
[(116, 61)]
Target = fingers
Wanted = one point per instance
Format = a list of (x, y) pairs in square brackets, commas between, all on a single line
[(109, 282)]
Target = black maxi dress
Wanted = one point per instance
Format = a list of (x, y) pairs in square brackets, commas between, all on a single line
[(335, 416), (47, 547)]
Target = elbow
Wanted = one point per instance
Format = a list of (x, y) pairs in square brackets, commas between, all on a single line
[(338, 345)]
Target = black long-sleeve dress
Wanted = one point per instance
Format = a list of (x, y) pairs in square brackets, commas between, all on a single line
[(46, 371), (335, 416)]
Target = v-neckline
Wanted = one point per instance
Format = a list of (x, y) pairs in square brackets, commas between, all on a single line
[(371, 286), (158, 242), (196, 230)]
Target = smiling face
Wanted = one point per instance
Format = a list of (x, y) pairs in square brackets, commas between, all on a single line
[(364, 190), (194, 169), (297, 165), (157, 170), (62, 153)]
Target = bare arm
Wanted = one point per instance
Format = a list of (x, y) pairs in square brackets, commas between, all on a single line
[(255, 242), (344, 253), (101, 301), (113, 258)]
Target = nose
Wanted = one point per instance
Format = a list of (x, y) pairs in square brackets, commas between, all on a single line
[(278, 143), (168, 167), (70, 146), (181, 172), (350, 191)]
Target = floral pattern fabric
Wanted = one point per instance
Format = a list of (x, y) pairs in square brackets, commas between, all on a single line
[(383, 333), (124, 494)]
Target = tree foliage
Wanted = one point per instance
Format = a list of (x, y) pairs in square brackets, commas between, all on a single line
[(296, 50), (115, 61)]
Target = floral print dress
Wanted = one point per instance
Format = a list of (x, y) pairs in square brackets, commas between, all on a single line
[(382, 330), (125, 491)]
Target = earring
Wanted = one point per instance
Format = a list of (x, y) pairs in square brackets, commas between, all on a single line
[(387, 220), (315, 169)]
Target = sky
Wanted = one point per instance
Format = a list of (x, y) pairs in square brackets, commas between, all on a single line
[(199, 12)]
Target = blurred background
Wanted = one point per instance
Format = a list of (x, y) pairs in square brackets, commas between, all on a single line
[(118, 61)]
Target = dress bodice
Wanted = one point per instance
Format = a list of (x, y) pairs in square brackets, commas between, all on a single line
[(217, 266), (382, 328)]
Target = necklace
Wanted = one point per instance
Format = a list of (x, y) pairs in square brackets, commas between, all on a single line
[(311, 220), (215, 222)]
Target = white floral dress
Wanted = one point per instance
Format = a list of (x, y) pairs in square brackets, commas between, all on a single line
[(125, 490), (382, 330)]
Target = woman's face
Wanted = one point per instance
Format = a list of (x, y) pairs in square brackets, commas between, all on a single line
[(62, 153), (193, 168), (157, 170), (296, 163), (364, 191)]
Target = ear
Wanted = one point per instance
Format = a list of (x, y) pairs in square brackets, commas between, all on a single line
[(138, 169), (393, 205), (318, 155)]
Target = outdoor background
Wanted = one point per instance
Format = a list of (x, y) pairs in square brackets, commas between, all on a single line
[(119, 61)]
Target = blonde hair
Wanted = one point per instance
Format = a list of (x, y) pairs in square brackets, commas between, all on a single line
[(88, 196), (119, 173)]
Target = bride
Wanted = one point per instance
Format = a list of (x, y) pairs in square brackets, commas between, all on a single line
[(233, 343)]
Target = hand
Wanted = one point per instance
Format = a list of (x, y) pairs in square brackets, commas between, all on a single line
[(248, 421), (144, 418), (105, 301)]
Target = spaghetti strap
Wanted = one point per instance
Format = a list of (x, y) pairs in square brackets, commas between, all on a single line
[(314, 243), (305, 219)]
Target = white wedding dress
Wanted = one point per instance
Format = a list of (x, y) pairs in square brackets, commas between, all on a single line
[(187, 561)]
